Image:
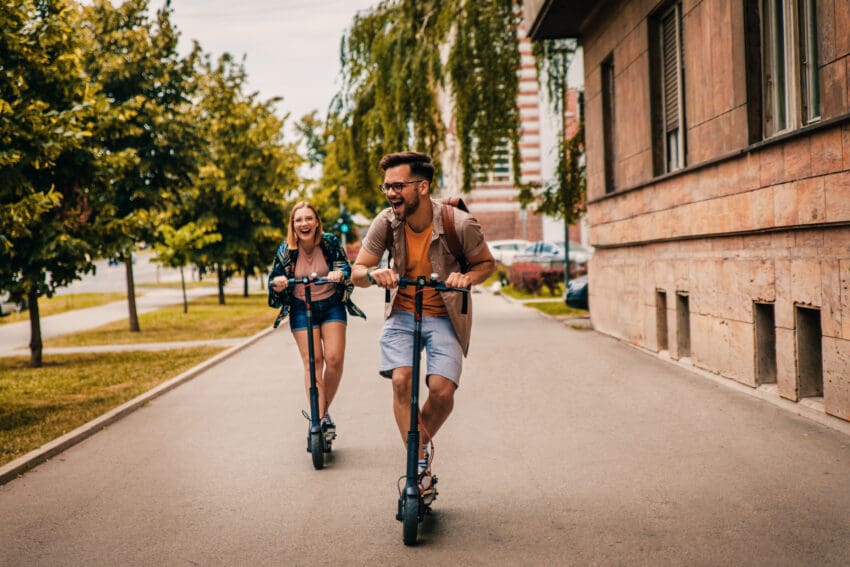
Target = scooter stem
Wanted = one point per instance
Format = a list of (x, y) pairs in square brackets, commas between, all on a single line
[(413, 432), (314, 391)]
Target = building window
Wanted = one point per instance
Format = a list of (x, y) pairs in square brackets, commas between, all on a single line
[(667, 81), (500, 171), (782, 40), (810, 87), (608, 120)]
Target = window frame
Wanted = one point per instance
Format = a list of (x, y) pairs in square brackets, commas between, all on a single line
[(789, 85), (609, 120), (668, 155)]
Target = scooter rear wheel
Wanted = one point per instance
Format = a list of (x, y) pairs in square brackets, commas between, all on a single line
[(317, 450), (410, 519)]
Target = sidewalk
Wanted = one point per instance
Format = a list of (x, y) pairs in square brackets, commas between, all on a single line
[(15, 337)]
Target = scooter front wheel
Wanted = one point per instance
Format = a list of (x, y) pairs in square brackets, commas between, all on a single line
[(410, 519), (317, 450)]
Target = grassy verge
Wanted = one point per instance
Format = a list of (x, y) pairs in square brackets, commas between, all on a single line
[(557, 308), (206, 319), (62, 303), (38, 405), (543, 293)]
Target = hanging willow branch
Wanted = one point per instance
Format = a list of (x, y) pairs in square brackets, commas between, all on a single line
[(565, 198), (399, 57)]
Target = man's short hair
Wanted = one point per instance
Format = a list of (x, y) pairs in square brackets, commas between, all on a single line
[(420, 164)]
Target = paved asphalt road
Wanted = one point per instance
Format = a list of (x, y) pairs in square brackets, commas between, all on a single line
[(565, 448)]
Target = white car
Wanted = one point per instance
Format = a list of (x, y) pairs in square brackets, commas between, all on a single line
[(579, 253), (505, 250), (7, 306)]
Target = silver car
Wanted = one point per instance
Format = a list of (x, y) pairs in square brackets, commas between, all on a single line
[(7, 306), (505, 250)]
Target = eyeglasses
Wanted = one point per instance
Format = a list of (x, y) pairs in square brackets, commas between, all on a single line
[(397, 186)]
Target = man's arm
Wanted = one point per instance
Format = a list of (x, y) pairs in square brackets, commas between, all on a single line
[(363, 266), (481, 266), (365, 272)]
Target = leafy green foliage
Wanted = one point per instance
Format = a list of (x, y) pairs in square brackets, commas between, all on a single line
[(49, 198), (396, 60), (483, 69), (177, 245), (149, 86), (566, 197), (250, 172)]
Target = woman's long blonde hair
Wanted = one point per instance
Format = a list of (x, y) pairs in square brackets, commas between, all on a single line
[(291, 239)]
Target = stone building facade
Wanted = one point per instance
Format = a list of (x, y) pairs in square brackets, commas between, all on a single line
[(718, 170)]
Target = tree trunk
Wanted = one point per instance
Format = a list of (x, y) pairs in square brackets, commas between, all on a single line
[(131, 294), (183, 284), (35, 329), (220, 285), (245, 284)]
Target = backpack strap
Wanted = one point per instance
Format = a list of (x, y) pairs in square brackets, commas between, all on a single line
[(389, 241), (451, 232)]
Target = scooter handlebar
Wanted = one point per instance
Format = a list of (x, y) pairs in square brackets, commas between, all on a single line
[(312, 279), (437, 285)]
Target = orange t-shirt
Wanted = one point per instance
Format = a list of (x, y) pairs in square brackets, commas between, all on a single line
[(419, 264)]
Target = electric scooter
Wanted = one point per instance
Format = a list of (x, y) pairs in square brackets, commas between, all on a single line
[(412, 507), (318, 440)]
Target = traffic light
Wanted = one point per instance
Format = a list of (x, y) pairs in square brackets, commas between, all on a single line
[(343, 223)]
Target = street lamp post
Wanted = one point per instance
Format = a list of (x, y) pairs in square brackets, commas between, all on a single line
[(563, 148)]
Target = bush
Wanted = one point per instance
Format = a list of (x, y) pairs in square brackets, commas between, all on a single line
[(526, 277), (532, 277)]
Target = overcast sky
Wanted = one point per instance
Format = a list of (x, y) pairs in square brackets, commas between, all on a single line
[(292, 46)]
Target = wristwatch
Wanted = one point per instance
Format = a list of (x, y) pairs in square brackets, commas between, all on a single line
[(369, 275)]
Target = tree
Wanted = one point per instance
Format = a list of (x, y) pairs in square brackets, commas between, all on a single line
[(177, 245), (245, 183), (565, 197), (137, 63), (396, 80), (50, 172)]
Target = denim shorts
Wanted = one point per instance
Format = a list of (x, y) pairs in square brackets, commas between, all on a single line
[(328, 310), (445, 355)]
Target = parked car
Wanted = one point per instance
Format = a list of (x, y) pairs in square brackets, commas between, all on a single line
[(505, 250), (579, 253), (7, 306), (547, 254), (576, 295)]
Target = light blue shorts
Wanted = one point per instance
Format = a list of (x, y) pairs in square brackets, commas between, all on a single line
[(444, 353)]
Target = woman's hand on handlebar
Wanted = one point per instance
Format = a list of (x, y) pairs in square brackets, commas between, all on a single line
[(456, 279), (383, 277), (279, 283), (335, 276)]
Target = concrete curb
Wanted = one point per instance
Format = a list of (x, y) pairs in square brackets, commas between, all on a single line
[(22, 464)]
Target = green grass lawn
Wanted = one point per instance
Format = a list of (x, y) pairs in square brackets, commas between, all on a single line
[(62, 303), (206, 319), (542, 293), (38, 405)]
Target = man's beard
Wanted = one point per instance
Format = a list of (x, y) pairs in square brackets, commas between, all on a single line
[(407, 209)]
